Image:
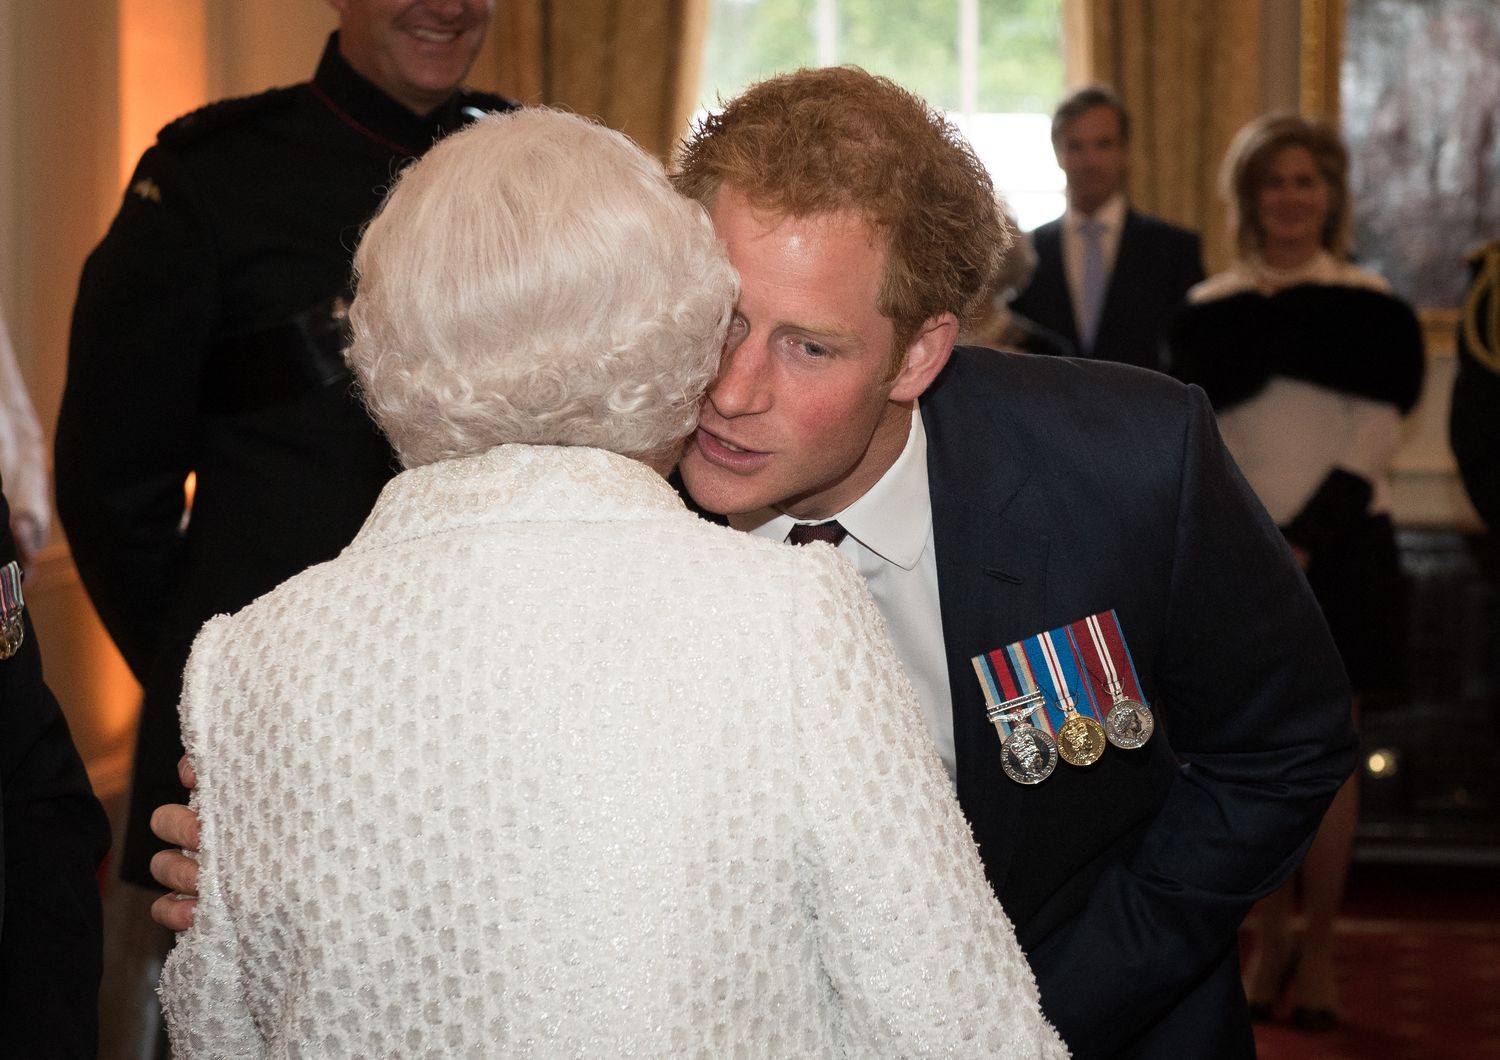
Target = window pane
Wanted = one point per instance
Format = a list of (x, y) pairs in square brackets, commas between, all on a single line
[(1018, 72)]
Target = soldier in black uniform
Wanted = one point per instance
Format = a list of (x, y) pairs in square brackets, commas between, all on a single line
[(206, 339)]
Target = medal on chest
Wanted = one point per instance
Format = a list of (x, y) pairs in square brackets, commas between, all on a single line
[(1068, 693), (1099, 644), (12, 610)]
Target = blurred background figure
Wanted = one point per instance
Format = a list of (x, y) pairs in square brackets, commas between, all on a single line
[(23, 457), (53, 835), (1311, 363), (543, 763), (1474, 426), (997, 324), (1108, 278)]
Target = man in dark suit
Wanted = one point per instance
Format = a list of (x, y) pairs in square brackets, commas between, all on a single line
[(53, 836), (1029, 492), (1108, 278)]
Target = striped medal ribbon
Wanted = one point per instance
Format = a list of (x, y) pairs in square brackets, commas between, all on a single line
[(1100, 645), (1080, 737), (1028, 754)]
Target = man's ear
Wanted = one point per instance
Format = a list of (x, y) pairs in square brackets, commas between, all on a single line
[(925, 356)]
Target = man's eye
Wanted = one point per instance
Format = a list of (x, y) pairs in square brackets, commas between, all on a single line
[(813, 349)]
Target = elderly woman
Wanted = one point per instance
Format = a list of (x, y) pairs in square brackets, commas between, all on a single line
[(1311, 364), (541, 764)]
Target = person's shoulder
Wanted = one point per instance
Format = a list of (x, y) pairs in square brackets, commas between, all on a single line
[(1024, 377), (1047, 230), (227, 115), (1073, 416), (1231, 281), (1159, 228), (780, 575), (749, 553), (1351, 275)]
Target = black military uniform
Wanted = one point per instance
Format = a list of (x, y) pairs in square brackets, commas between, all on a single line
[(52, 837), (206, 339)]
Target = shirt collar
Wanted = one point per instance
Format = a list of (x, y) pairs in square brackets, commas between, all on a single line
[(362, 106), (1111, 214), (893, 517)]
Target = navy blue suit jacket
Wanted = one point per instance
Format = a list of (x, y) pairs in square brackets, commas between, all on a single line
[(1156, 264), (1061, 488)]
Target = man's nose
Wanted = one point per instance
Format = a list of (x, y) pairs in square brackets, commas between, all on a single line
[(742, 386)]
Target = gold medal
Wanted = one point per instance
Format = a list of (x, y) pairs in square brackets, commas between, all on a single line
[(1080, 741)]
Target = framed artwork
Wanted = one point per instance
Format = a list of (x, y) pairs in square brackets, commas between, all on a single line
[(1417, 98)]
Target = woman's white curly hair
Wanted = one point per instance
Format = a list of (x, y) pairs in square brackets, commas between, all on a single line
[(535, 279)]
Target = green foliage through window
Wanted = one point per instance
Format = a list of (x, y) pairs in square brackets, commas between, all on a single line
[(914, 42)]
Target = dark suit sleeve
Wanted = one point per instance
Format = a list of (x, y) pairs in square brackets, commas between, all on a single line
[(147, 310), (1192, 272), (54, 836), (1253, 698)]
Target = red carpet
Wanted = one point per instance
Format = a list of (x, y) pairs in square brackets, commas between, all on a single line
[(1419, 972)]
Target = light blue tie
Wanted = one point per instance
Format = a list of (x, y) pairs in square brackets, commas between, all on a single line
[(1095, 280)]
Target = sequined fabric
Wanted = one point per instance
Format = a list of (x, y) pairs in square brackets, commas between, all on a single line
[(544, 766)]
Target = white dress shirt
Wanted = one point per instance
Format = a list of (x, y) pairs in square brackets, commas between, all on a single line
[(1112, 216), (890, 543)]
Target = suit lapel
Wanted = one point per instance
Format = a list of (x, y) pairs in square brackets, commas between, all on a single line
[(992, 567)]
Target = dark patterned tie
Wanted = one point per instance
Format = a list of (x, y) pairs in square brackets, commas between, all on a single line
[(830, 531)]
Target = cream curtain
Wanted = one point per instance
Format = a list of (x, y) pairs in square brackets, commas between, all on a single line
[(1191, 73), (633, 64)]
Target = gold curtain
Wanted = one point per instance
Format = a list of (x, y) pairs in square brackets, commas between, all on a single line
[(1190, 72), (633, 64)]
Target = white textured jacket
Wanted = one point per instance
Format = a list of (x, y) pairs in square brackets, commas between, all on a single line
[(542, 765)]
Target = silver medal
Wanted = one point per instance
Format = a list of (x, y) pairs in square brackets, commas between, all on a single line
[(1129, 724), (1028, 755)]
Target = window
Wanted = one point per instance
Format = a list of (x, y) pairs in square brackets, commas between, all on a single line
[(995, 66)]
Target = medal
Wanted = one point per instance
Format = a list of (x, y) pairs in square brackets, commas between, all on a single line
[(1128, 722), (1028, 754), (1080, 740), (12, 611)]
